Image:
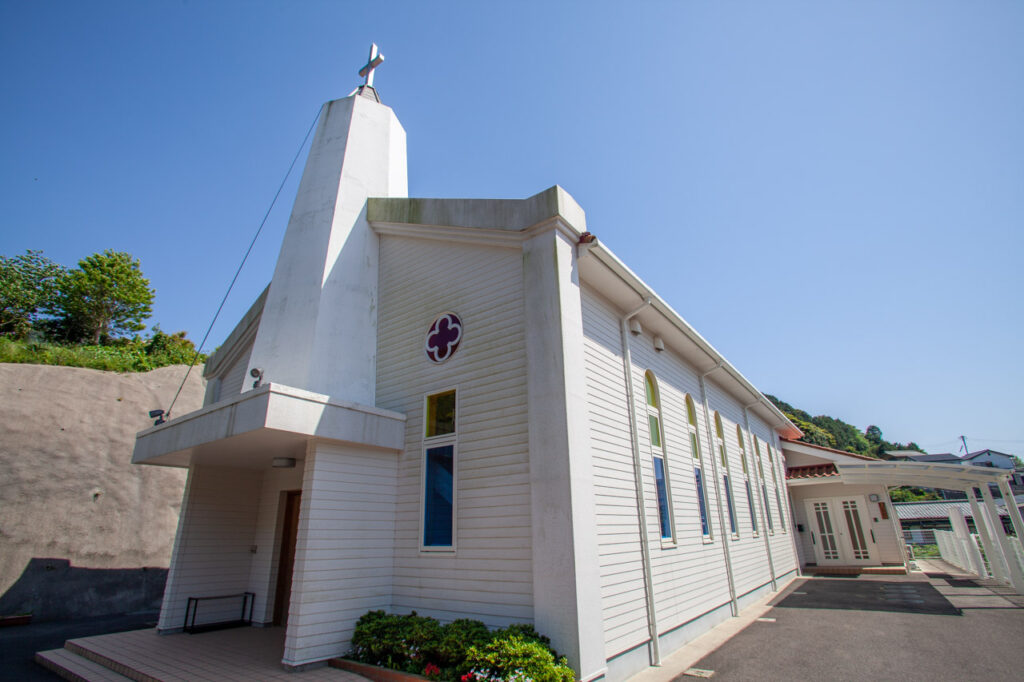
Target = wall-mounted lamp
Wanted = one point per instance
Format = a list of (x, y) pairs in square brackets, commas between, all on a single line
[(874, 497), (634, 327), (659, 345), (257, 374), (283, 463), (158, 415)]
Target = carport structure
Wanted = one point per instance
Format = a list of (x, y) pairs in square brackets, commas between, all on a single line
[(1003, 556)]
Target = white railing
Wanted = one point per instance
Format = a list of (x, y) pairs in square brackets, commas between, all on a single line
[(964, 553)]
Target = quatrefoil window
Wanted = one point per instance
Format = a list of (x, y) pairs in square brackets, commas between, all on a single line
[(444, 337)]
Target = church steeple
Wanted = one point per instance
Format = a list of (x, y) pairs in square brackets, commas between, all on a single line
[(318, 330)]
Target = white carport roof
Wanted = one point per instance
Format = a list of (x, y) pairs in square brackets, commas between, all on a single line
[(920, 474)]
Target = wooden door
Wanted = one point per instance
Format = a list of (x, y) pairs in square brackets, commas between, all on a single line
[(286, 560)]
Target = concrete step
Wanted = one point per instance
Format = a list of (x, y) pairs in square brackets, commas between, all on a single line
[(70, 666)]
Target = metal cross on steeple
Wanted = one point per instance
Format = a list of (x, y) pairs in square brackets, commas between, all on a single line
[(375, 59)]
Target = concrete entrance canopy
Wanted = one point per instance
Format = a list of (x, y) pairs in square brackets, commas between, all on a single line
[(274, 420)]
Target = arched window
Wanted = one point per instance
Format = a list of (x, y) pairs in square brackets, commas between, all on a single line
[(724, 457), (698, 467), (775, 482), (746, 478), (657, 441), (764, 487)]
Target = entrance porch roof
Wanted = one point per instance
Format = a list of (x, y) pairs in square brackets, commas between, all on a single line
[(919, 474), (274, 420)]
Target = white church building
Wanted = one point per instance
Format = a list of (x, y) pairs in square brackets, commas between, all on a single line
[(469, 408)]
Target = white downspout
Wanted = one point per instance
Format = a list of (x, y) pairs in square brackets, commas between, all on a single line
[(763, 495), (712, 451), (645, 550)]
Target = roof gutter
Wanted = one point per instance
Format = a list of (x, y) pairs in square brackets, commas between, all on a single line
[(782, 423)]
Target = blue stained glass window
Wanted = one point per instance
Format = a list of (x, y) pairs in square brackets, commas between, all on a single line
[(659, 481), (438, 507), (750, 503), (702, 503), (732, 508)]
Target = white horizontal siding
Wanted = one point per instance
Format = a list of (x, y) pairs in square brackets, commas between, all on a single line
[(690, 576), (344, 556), (233, 378), (489, 576), (267, 538), (215, 534)]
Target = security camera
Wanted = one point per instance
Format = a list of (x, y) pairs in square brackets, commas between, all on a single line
[(257, 374)]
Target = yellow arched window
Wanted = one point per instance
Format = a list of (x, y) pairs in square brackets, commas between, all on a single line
[(657, 440), (726, 483), (698, 470)]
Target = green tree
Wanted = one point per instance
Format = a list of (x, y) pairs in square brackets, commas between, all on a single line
[(104, 297), (28, 285)]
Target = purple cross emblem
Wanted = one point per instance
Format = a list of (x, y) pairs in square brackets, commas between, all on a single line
[(444, 337)]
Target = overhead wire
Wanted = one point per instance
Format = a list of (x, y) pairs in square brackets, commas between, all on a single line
[(199, 348)]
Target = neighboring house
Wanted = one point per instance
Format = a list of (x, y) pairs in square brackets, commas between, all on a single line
[(983, 458), (934, 514), (471, 408), (838, 524)]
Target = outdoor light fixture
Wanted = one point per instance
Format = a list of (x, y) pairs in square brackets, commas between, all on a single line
[(634, 327), (659, 345), (158, 415), (873, 497), (283, 463), (257, 374)]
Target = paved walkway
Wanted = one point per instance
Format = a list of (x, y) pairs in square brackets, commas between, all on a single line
[(236, 655), (931, 626)]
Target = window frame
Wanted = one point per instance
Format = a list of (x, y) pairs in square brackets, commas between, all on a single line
[(756, 532), (723, 455), (428, 443), (700, 479), (653, 410)]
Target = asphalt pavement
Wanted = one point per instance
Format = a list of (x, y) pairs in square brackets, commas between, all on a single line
[(894, 628)]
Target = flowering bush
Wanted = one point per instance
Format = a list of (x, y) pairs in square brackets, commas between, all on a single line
[(512, 658), (461, 651)]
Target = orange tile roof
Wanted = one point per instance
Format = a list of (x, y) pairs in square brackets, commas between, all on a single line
[(813, 471)]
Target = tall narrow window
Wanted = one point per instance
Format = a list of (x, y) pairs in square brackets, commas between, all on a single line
[(724, 457), (764, 488), (439, 436), (775, 482), (746, 479), (698, 470), (658, 455)]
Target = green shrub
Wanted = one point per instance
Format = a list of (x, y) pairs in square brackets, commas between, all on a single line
[(513, 658), (456, 639), (404, 643), (462, 651)]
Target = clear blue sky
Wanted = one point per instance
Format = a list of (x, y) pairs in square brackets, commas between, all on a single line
[(841, 184)]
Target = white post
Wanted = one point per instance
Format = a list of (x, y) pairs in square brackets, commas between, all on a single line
[(1011, 507), (964, 541), (987, 542), (1016, 576)]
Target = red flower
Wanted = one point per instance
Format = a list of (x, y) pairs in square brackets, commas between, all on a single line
[(431, 669)]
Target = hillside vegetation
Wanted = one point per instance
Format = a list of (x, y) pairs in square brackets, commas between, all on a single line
[(88, 316), (834, 433)]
